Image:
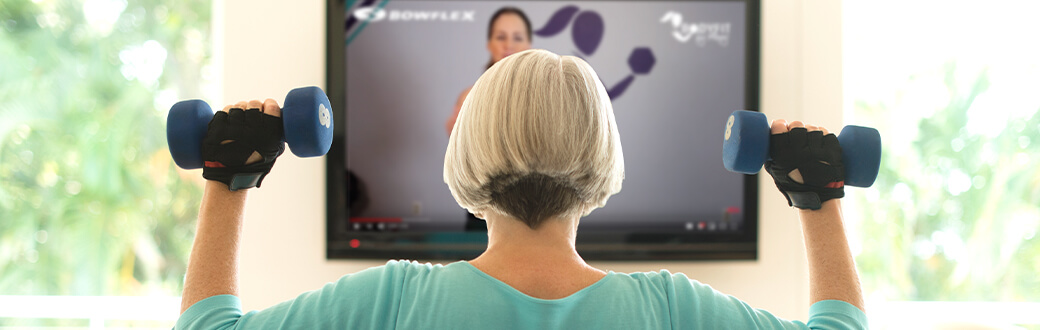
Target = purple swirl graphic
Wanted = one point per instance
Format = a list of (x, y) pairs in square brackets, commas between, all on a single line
[(620, 87), (588, 31), (557, 22)]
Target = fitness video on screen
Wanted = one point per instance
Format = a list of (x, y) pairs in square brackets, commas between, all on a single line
[(674, 72)]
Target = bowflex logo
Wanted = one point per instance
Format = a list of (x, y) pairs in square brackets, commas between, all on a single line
[(375, 14), (700, 32)]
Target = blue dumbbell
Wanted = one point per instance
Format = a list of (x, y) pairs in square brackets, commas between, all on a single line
[(306, 117), (746, 148)]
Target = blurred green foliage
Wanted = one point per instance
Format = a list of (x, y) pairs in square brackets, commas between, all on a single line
[(90, 201), (955, 211)]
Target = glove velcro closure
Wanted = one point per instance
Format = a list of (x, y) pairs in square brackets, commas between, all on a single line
[(239, 178)]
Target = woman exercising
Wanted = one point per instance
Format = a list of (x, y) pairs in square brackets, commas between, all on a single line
[(535, 148), (509, 32)]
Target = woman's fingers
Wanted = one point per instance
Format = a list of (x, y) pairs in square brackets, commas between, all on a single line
[(779, 126), (268, 106), (271, 107), (254, 104), (796, 123)]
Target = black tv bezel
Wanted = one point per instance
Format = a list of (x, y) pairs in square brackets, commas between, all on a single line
[(638, 247)]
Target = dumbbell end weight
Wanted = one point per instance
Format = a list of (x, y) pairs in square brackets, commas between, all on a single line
[(308, 121), (186, 126), (745, 146), (861, 155)]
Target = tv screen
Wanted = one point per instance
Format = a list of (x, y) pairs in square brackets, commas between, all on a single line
[(674, 70)]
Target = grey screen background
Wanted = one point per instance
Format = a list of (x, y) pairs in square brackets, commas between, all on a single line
[(403, 78)]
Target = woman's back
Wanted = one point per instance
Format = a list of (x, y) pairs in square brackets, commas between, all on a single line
[(412, 295)]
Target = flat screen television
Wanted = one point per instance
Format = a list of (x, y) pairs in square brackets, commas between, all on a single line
[(675, 70)]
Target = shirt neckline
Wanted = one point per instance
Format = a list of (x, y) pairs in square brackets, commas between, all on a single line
[(576, 295)]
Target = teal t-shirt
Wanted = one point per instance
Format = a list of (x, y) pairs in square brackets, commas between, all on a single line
[(412, 295)]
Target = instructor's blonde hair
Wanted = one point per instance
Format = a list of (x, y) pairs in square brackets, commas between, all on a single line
[(535, 139)]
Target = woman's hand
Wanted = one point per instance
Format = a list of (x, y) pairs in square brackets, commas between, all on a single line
[(242, 143), (269, 106), (805, 163)]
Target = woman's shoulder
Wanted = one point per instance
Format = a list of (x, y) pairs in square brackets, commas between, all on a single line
[(393, 273), (663, 280), (394, 268), (660, 276), (405, 266)]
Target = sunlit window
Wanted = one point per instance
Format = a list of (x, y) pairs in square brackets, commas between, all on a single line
[(947, 236), (95, 220)]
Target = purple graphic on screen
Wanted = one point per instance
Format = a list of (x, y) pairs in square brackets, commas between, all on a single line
[(557, 22), (640, 61), (587, 32)]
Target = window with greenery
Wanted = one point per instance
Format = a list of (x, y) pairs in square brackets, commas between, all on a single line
[(952, 87), (90, 202)]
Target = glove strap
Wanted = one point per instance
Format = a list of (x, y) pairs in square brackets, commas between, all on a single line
[(245, 181), (804, 199), (244, 177)]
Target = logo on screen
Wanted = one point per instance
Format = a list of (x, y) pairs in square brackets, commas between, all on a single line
[(370, 14), (375, 14), (700, 32)]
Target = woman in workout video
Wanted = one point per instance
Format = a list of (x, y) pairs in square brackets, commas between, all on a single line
[(508, 32)]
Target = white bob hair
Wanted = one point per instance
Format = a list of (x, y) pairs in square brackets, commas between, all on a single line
[(535, 139)]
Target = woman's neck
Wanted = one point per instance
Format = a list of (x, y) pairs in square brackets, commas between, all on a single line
[(540, 262), (511, 239)]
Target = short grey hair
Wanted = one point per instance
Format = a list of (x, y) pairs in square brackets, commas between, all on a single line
[(535, 139)]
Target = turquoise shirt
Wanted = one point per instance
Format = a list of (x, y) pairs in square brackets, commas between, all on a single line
[(411, 295)]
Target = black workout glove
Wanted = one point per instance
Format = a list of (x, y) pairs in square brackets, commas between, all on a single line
[(817, 157), (232, 137)]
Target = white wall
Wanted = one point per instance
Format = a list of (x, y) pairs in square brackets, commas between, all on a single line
[(269, 47)]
